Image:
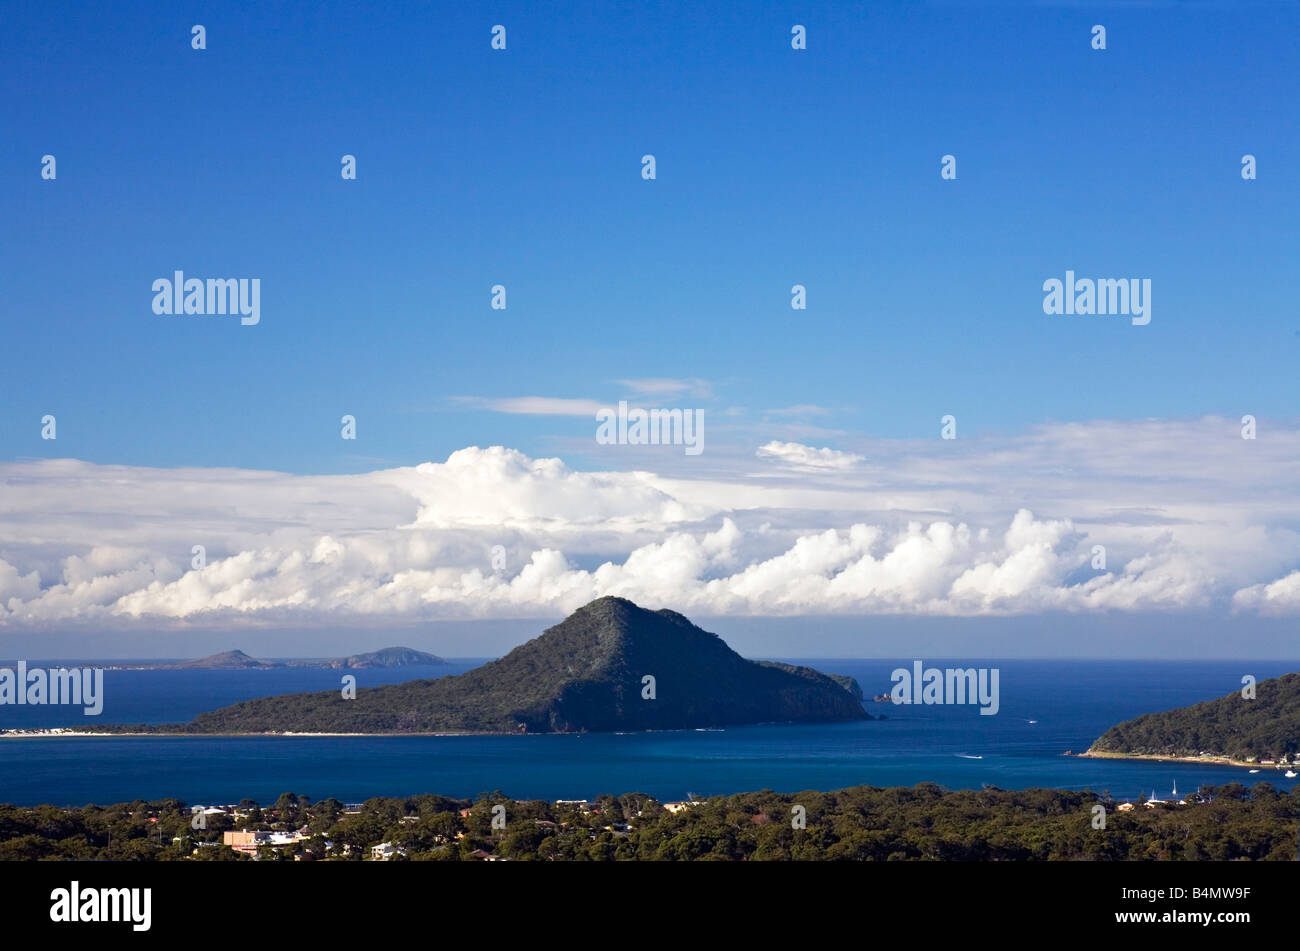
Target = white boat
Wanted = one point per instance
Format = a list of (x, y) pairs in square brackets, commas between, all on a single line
[(1254, 771), (1289, 774)]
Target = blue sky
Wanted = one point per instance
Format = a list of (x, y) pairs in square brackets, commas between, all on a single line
[(823, 488), (522, 167)]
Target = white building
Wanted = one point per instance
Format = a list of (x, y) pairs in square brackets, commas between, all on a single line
[(385, 851)]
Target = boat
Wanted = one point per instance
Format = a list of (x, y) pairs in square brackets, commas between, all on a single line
[(1289, 774), (1254, 771)]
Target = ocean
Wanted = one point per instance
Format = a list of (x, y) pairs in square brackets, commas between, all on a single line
[(1046, 708)]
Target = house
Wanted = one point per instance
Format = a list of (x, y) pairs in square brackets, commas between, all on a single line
[(1124, 807), (249, 842), (676, 807), (385, 851), (246, 842)]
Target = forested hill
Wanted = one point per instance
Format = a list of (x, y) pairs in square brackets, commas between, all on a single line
[(587, 673), (384, 657), (1267, 727)]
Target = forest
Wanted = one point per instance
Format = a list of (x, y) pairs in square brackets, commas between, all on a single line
[(863, 823), (1259, 722)]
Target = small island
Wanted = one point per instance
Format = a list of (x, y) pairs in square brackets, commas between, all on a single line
[(610, 666), (238, 660)]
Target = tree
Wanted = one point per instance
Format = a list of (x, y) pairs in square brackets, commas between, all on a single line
[(286, 808)]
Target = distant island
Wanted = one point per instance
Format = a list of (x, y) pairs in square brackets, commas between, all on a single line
[(1264, 731), (609, 666), (238, 660)]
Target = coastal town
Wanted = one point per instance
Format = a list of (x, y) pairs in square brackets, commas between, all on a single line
[(304, 844), (294, 829), (925, 822)]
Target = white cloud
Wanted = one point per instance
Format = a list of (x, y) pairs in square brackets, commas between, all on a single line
[(1190, 516), (663, 386), (534, 405), (1279, 597), (798, 456)]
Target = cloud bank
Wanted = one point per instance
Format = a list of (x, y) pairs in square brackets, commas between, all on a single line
[(1178, 515)]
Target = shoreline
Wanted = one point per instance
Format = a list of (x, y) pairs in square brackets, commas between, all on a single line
[(1208, 759), (52, 732)]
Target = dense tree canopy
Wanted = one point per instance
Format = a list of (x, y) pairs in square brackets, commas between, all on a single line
[(864, 823), (1266, 726)]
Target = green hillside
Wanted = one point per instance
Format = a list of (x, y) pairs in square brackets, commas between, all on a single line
[(584, 674), (1267, 727)]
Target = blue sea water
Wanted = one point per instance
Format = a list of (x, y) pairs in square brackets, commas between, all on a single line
[(1070, 703)]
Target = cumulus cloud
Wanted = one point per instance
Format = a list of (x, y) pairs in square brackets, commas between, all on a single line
[(993, 526), (1279, 597), (798, 456)]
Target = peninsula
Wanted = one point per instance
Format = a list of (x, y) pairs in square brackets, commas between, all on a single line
[(1252, 727)]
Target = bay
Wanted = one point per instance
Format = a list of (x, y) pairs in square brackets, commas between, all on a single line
[(1071, 702)]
